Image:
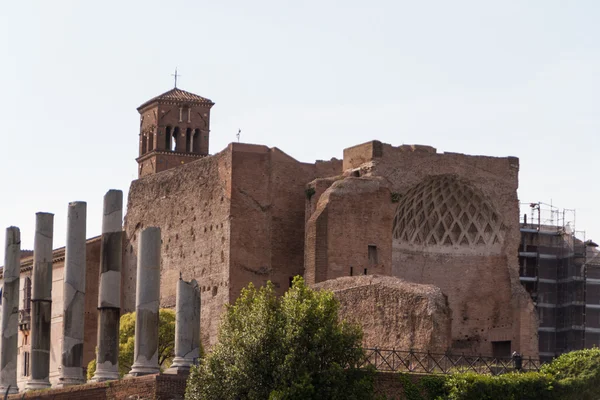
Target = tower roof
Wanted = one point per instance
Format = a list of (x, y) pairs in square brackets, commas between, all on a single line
[(177, 95)]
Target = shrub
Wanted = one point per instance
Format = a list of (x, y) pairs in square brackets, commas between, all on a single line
[(292, 347)]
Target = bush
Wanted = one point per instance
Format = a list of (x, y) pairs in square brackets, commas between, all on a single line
[(166, 342), (513, 386), (292, 347), (577, 374), (572, 376)]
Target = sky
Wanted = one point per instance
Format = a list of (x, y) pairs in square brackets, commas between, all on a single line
[(498, 78)]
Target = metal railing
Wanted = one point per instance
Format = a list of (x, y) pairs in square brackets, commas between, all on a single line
[(421, 362)]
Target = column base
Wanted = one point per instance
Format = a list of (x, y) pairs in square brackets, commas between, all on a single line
[(37, 384), (141, 370), (102, 376), (180, 366), (12, 389), (69, 381)]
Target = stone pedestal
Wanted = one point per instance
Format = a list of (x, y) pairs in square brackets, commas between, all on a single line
[(41, 303), (74, 297), (109, 294), (145, 359), (9, 330), (187, 327)]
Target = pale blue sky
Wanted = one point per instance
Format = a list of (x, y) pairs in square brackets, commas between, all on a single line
[(497, 78)]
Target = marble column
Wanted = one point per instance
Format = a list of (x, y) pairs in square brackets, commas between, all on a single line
[(109, 293), (145, 358), (74, 296), (41, 303), (9, 330), (187, 327)]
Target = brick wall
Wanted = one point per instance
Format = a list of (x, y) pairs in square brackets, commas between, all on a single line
[(151, 387)]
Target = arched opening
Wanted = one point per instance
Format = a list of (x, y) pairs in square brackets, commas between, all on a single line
[(196, 141), (144, 142), (150, 141), (173, 146), (168, 138), (188, 140)]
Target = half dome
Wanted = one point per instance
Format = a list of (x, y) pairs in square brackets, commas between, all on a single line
[(444, 210)]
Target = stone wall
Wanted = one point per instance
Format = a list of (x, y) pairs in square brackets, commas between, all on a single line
[(473, 255), (394, 313)]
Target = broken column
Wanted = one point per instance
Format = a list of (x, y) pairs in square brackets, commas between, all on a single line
[(74, 296), (145, 358), (109, 293), (10, 311), (187, 327), (41, 302)]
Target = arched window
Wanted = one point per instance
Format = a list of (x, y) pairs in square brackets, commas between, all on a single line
[(144, 142), (174, 139), (196, 141), (150, 141), (168, 138), (188, 140)]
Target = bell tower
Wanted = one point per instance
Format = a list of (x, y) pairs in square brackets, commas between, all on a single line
[(174, 130)]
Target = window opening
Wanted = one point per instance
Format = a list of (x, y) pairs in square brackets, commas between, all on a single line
[(373, 259)]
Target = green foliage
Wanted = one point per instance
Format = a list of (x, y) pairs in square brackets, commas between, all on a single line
[(577, 374), (572, 376), (166, 342), (513, 386), (426, 387), (289, 348)]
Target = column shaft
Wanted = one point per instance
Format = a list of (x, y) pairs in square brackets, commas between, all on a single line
[(9, 330), (74, 296), (187, 327), (145, 359), (109, 294), (41, 302)]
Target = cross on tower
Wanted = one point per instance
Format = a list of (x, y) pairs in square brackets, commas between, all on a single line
[(175, 75)]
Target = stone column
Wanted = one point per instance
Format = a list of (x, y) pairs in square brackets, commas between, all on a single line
[(145, 359), (41, 302), (9, 330), (187, 327), (74, 296), (109, 293)]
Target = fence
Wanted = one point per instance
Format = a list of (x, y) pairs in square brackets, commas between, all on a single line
[(431, 363)]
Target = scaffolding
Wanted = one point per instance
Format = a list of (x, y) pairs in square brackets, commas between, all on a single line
[(556, 265)]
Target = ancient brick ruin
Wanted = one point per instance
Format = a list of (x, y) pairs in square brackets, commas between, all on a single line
[(436, 234)]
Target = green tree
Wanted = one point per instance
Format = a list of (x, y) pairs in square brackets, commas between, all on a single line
[(292, 347), (166, 342)]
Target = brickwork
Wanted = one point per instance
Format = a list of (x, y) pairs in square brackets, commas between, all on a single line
[(174, 129), (394, 313), (150, 387), (191, 205), (349, 231), (482, 282), (226, 220)]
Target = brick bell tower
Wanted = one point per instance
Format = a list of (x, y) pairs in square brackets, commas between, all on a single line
[(174, 130)]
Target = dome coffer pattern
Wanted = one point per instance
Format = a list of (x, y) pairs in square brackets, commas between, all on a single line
[(444, 210)]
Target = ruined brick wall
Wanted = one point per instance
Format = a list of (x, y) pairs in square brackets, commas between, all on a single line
[(348, 233), (226, 220), (191, 205), (267, 212), (473, 259), (155, 387), (394, 313)]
